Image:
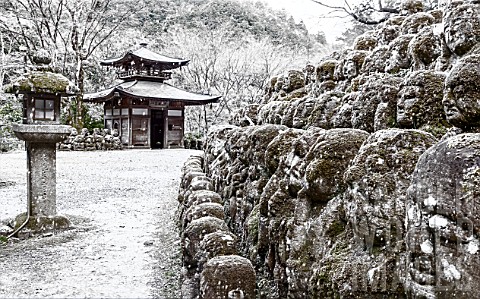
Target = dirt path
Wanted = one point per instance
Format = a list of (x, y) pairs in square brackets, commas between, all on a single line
[(124, 244)]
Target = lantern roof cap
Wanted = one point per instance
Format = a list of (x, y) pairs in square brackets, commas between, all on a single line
[(41, 79), (42, 82)]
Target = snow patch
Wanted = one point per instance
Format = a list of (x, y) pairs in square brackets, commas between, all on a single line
[(426, 247), (438, 28), (450, 271), (473, 247), (227, 238), (430, 201), (437, 221), (370, 274)]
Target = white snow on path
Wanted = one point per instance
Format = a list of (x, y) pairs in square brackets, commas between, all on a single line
[(124, 244)]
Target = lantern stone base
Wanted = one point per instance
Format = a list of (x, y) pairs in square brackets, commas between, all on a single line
[(41, 133), (41, 224), (41, 177)]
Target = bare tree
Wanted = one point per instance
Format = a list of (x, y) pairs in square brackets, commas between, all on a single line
[(367, 12), (222, 64), (71, 30)]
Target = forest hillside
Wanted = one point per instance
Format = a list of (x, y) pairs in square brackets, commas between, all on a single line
[(234, 48), (356, 177)]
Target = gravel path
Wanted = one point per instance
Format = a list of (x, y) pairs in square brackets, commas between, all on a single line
[(124, 243)]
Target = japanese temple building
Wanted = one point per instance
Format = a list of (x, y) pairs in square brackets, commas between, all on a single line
[(146, 111)]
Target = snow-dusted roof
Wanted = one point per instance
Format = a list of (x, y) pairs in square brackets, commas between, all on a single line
[(152, 90), (146, 55)]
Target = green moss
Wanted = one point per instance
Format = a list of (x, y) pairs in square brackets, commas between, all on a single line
[(296, 94), (391, 122), (40, 82), (336, 228), (253, 222), (42, 223), (437, 129)]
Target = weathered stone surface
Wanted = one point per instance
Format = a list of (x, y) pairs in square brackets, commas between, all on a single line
[(293, 80), (279, 147), (443, 221), (409, 7), (388, 33), (419, 103), (320, 211), (215, 244), (228, 276), (201, 196), (324, 109), (193, 235), (416, 22), (272, 112), (462, 26), (358, 239), (246, 116), (342, 117), (199, 210), (424, 49), (325, 70), (461, 93), (399, 60), (302, 112), (201, 183), (307, 176), (375, 61), (377, 178), (327, 161), (353, 63), (366, 42), (97, 140), (378, 89)]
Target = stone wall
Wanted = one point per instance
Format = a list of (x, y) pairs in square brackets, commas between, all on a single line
[(97, 140), (211, 267), (358, 178)]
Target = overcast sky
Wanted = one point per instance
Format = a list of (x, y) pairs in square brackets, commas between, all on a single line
[(313, 15)]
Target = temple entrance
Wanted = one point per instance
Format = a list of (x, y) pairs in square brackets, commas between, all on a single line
[(158, 129), (140, 131)]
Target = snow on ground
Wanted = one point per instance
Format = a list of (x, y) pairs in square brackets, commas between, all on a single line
[(124, 243)]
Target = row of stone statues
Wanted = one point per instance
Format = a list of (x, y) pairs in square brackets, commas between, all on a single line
[(99, 139), (358, 177), (211, 266), (418, 71)]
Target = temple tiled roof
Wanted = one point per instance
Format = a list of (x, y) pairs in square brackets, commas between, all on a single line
[(151, 90), (143, 54)]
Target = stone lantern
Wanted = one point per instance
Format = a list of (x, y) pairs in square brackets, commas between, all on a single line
[(41, 90)]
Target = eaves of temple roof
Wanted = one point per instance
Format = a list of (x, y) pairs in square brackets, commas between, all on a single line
[(145, 56), (151, 90)]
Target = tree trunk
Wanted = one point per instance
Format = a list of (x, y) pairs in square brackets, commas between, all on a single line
[(2, 65), (80, 82)]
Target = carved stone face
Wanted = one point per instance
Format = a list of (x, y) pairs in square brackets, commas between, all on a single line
[(326, 70), (419, 101), (350, 69), (462, 93), (398, 58), (443, 222), (409, 100), (353, 63), (462, 27)]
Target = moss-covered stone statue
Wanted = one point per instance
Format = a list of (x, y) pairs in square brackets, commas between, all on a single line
[(462, 93), (419, 102)]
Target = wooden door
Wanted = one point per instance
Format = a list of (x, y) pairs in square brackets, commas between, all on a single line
[(158, 129), (140, 131)]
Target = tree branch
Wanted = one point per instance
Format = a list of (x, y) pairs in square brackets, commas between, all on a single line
[(362, 13)]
